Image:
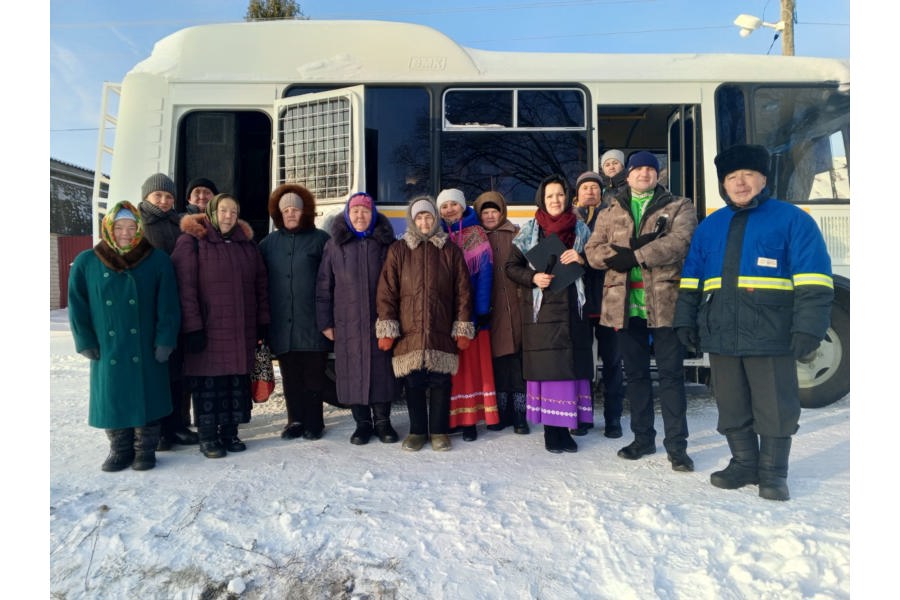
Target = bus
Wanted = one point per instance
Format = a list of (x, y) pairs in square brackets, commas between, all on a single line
[(398, 110)]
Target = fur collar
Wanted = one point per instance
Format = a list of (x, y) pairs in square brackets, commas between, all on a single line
[(414, 238), (200, 227), (121, 262)]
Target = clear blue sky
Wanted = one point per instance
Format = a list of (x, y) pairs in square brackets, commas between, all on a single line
[(92, 41)]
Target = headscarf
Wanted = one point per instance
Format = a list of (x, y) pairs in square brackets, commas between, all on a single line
[(361, 199), (211, 212), (106, 227)]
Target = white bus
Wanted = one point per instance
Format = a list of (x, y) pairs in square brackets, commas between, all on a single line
[(398, 110)]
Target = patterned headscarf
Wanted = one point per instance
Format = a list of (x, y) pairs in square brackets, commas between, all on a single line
[(106, 227), (211, 211)]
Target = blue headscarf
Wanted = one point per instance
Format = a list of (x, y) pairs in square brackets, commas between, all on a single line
[(361, 199)]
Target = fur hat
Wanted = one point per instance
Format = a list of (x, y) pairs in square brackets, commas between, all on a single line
[(642, 159), (201, 182), (616, 154), (158, 182), (742, 156), (451, 195), (587, 176)]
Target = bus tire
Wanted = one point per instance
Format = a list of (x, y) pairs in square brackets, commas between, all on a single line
[(826, 379)]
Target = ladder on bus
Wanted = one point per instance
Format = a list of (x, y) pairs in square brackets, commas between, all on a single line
[(105, 141)]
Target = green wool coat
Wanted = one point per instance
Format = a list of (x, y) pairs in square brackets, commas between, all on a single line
[(125, 313)]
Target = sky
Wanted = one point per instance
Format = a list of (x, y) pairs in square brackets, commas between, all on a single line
[(499, 518), (92, 41)]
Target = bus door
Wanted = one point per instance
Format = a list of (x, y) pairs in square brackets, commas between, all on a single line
[(319, 143), (683, 149)]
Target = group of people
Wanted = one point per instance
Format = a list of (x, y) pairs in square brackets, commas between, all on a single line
[(475, 318)]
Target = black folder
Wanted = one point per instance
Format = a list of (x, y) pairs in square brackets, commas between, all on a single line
[(540, 259)]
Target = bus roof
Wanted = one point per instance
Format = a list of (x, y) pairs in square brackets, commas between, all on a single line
[(382, 51)]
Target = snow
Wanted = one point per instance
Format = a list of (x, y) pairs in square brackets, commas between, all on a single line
[(498, 518)]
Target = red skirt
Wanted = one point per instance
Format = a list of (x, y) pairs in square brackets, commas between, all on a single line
[(473, 397)]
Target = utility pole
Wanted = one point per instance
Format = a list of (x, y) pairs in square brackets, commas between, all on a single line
[(787, 36)]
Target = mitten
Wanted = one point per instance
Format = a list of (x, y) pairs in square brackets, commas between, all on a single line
[(195, 341), (462, 343), (161, 353), (385, 343), (91, 353), (623, 261), (688, 337), (804, 346)]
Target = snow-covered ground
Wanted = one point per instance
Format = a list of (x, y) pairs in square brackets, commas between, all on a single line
[(497, 518)]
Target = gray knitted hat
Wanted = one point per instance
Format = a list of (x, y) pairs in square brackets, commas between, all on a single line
[(157, 182)]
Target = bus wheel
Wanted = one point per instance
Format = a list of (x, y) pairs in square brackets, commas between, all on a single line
[(826, 379)]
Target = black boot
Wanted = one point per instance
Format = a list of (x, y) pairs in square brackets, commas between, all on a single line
[(439, 409), (470, 433), (362, 414), (121, 449), (520, 423), (502, 398), (383, 429), (228, 434), (566, 443), (146, 439), (551, 439), (210, 444), (744, 464), (773, 467)]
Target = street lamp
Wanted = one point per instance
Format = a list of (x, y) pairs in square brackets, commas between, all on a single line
[(749, 24)]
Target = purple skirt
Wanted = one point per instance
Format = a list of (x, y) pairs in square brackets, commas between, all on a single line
[(560, 403)]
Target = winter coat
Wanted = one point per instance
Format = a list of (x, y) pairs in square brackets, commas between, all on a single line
[(161, 231), (660, 260), (470, 236), (610, 187), (424, 301), (593, 278), (224, 292), (292, 258), (557, 346), (345, 301), (753, 276), (506, 297), (125, 306)]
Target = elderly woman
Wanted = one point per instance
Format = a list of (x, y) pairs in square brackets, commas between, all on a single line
[(556, 334), (225, 306), (424, 313), (124, 315), (293, 253), (345, 301)]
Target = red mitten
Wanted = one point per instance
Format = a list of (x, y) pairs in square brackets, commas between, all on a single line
[(385, 343), (462, 343)]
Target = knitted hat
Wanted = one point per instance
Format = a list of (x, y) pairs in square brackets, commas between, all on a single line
[(290, 200), (587, 176), (451, 195), (158, 182), (642, 159), (422, 205), (616, 154), (361, 199), (201, 182), (124, 213), (742, 156)]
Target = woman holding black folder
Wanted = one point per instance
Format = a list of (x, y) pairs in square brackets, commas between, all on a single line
[(556, 333)]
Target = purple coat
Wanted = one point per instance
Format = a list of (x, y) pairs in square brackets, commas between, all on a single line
[(223, 288), (345, 300)]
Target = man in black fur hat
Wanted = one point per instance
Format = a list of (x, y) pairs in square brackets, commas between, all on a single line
[(756, 294)]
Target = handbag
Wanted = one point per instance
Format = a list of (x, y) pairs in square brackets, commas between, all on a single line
[(262, 379)]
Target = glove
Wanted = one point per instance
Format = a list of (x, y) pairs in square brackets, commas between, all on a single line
[(623, 261), (462, 343), (91, 353), (262, 332), (195, 341), (688, 337), (161, 353), (643, 240), (804, 346), (482, 322), (385, 343)]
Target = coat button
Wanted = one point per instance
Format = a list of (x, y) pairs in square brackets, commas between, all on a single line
[(133, 330), (106, 274), (112, 361), (135, 359), (111, 333), (131, 301), (109, 302)]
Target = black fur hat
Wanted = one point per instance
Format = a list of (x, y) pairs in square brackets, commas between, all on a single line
[(742, 156)]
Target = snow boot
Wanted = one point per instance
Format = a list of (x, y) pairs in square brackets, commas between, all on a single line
[(362, 414), (228, 435), (502, 410), (520, 423), (210, 444), (439, 409), (146, 439), (743, 467), (121, 449), (566, 443), (551, 439), (773, 467), (383, 429)]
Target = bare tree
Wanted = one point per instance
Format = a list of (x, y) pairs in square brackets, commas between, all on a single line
[(267, 10)]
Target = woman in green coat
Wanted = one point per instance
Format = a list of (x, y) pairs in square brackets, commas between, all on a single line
[(125, 315)]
